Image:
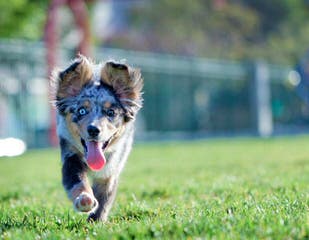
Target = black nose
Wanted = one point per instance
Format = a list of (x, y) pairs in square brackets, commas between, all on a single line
[(93, 131)]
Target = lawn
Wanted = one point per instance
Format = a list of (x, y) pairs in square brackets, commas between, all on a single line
[(223, 189)]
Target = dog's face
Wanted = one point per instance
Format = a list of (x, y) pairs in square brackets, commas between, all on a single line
[(97, 114), (97, 101)]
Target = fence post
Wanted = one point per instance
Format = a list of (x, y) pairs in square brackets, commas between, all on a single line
[(261, 100)]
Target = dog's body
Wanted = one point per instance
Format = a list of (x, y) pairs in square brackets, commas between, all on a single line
[(96, 106)]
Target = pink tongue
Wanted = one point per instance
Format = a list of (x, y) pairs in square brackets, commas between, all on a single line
[(95, 155)]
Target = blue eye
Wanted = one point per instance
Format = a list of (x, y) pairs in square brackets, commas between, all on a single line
[(82, 111)]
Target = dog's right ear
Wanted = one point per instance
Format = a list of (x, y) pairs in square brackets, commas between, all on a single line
[(68, 83)]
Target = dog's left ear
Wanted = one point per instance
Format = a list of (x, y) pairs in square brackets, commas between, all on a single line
[(127, 82)]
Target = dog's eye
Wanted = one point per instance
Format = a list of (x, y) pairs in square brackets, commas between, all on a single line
[(110, 113), (82, 111)]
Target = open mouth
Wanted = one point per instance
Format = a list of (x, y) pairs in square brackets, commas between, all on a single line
[(94, 153), (105, 144)]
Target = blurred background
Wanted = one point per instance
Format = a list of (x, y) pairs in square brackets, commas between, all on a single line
[(211, 67)]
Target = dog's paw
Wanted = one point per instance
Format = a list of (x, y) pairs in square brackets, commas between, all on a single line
[(96, 217), (85, 202)]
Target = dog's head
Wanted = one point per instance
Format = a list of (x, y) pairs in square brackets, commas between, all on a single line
[(97, 102)]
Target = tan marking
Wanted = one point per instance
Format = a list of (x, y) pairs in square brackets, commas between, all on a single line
[(110, 127), (73, 128), (107, 105), (83, 124), (87, 104), (79, 188)]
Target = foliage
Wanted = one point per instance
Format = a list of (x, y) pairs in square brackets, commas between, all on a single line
[(196, 28), (284, 28), (221, 189), (274, 30), (22, 18)]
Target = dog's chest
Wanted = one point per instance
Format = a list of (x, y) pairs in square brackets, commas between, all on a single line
[(116, 159)]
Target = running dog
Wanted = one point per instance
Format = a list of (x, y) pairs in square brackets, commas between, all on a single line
[(96, 106)]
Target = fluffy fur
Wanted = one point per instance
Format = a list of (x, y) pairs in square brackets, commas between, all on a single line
[(96, 104)]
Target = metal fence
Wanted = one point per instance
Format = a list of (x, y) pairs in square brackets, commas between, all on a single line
[(184, 97)]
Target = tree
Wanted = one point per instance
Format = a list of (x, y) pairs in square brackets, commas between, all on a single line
[(241, 29), (22, 18)]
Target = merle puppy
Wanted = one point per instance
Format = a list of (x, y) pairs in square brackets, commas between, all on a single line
[(96, 106)]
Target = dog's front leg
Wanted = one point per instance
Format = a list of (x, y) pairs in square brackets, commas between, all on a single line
[(75, 182), (105, 192)]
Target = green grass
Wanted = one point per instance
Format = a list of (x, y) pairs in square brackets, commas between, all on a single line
[(221, 189)]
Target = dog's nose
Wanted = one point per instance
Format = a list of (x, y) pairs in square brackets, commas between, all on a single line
[(93, 131)]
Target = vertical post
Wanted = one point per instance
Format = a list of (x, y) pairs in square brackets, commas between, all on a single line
[(261, 100), (79, 10), (51, 39)]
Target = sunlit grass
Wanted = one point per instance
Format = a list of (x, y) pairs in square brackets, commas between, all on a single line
[(223, 189)]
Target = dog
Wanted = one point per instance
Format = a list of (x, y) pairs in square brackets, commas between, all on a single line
[(96, 105)]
